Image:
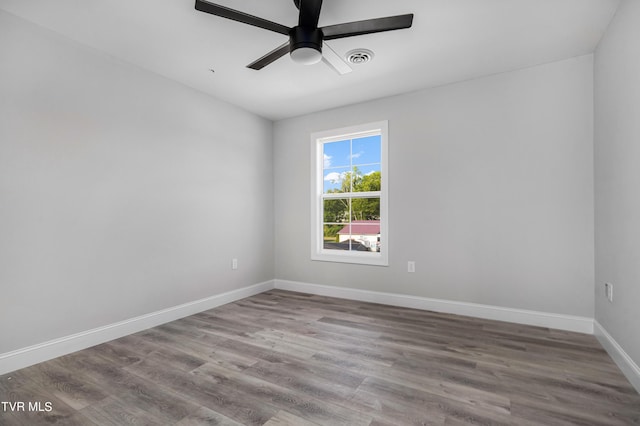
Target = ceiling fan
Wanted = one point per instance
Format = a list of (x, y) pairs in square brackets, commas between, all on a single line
[(305, 43)]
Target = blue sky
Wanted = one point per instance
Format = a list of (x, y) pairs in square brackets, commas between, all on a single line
[(363, 153)]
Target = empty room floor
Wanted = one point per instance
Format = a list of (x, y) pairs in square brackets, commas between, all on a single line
[(284, 358)]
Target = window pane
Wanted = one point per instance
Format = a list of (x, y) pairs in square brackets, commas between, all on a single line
[(332, 245), (336, 154), (343, 239), (366, 151), (337, 180), (365, 235), (366, 178), (332, 235), (357, 236), (336, 211), (365, 209)]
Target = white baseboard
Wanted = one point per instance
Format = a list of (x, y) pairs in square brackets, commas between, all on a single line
[(628, 367), (519, 316), (14, 360)]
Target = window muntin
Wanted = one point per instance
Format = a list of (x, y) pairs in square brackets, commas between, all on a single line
[(349, 212)]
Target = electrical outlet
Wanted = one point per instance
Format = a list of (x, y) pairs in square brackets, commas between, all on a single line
[(234, 263), (411, 266), (608, 291)]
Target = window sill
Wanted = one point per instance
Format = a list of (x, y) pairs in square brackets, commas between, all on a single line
[(372, 259)]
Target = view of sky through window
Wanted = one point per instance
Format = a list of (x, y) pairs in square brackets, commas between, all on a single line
[(360, 156)]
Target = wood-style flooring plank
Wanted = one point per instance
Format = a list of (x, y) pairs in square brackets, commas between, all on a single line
[(287, 419)]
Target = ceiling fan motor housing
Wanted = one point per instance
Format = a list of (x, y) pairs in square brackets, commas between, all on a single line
[(305, 37)]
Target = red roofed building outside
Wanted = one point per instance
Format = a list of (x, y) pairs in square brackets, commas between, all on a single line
[(366, 232)]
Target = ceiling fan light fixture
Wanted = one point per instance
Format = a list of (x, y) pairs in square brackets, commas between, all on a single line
[(306, 56), (305, 45)]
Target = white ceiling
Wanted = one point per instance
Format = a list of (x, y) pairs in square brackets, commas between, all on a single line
[(451, 40)]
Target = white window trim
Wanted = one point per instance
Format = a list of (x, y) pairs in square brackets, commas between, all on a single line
[(317, 187)]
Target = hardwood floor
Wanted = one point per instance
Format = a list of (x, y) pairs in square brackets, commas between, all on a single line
[(283, 358)]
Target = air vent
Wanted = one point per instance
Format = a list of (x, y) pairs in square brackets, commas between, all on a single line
[(359, 56)]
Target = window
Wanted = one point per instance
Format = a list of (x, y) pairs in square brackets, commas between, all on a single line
[(349, 195)]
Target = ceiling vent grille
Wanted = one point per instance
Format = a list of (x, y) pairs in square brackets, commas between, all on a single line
[(359, 56)]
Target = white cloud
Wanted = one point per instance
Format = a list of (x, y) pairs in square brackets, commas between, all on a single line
[(327, 161), (334, 177), (357, 154)]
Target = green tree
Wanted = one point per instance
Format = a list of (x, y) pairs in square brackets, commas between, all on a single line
[(370, 182), (366, 208)]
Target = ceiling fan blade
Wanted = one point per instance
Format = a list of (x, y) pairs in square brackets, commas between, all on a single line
[(368, 26), (270, 57), (235, 15), (331, 58), (309, 13)]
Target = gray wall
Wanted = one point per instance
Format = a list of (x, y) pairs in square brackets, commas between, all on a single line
[(121, 192), (491, 191), (617, 172)]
